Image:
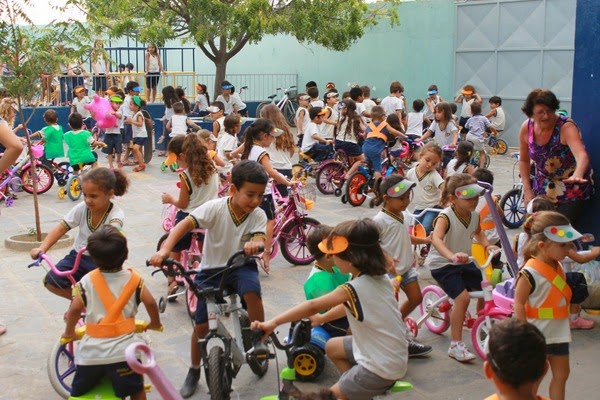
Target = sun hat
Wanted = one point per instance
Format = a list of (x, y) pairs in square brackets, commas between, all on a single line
[(469, 191)]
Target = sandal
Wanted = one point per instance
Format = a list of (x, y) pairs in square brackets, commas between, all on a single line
[(129, 164), (139, 168), (173, 287)]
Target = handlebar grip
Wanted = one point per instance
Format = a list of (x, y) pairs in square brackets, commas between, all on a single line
[(261, 350)]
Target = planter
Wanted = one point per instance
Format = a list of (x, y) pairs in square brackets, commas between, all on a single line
[(26, 242)]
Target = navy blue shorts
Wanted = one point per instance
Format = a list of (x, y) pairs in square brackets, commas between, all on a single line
[(152, 79), (242, 280), (140, 141), (127, 134), (351, 149), (268, 206), (114, 143), (557, 349), (86, 265), (186, 241), (454, 279), (125, 381)]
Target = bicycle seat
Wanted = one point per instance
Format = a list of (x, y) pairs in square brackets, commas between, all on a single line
[(271, 97), (515, 155)]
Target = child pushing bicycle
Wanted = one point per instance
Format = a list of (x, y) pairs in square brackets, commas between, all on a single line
[(377, 350), (109, 296), (232, 223)]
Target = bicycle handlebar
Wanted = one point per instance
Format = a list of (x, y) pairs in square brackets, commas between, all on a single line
[(426, 210), (488, 261), (68, 273), (300, 336)]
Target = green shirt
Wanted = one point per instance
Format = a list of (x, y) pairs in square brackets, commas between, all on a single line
[(79, 147), (321, 282), (53, 136)]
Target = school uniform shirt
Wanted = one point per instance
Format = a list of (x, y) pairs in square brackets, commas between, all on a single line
[(80, 216), (226, 144), (305, 118), (434, 102), (327, 130), (139, 131), (342, 136), (443, 137), (225, 232), (427, 192), (458, 237), (221, 122), (202, 102), (391, 104), (128, 112), (199, 194), (450, 168), (109, 350), (79, 106), (317, 103), (117, 128), (378, 332), (178, 125), (499, 120), (53, 136), (395, 238), (308, 141), (369, 104), (360, 109), (465, 110), (280, 159), (257, 153), (234, 100), (414, 125), (79, 151)]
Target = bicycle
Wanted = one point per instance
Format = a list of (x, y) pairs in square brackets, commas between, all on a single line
[(73, 187), (286, 104), (223, 352), (329, 176), (306, 166), (512, 203), (20, 176), (497, 145), (477, 155)]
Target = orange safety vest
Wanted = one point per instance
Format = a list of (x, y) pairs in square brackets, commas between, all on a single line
[(113, 324), (550, 308), (485, 211), (376, 131)]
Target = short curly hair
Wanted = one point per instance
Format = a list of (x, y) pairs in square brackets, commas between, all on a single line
[(540, 96)]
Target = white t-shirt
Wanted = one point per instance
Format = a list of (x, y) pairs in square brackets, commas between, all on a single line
[(395, 238), (305, 118), (257, 153), (308, 141), (234, 100), (139, 131), (391, 104), (80, 216), (202, 102), (498, 121), (415, 123), (200, 194), (427, 192), (78, 104), (327, 130), (443, 137), (450, 168), (178, 125), (377, 326), (317, 103), (127, 112), (465, 111), (360, 109), (369, 104), (280, 159), (226, 143), (221, 122), (342, 136), (225, 233), (433, 102), (116, 129)]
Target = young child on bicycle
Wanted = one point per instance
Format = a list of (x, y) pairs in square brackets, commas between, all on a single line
[(330, 119), (313, 145), (79, 141), (228, 142), (378, 135), (516, 360), (232, 223), (179, 122), (98, 186), (460, 163), (496, 115), (426, 193), (199, 183), (444, 131), (486, 221), (417, 120), (302, 119), (106, 295), (377, 350), (542, 296), (448, 258), (324, 278), (396, 241), (52, 135), (349, 133), (477, 126)]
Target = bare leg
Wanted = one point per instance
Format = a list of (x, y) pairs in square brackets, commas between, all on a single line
[(268, 241), (559, 365), (256, 311), (334, 348), (457, 316), (414, 298), (65, 293)]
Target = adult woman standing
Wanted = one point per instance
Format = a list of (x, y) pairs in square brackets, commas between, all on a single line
[(553, 142), (99, 67), (153, 70)]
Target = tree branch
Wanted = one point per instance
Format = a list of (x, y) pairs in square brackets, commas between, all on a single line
[(208, 54), (239, 45)]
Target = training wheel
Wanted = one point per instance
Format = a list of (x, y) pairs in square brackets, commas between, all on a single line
[(62, 192), (163, 167), (9, 201), (337, 192), (162, 304), (411, 324), (344, 199), (372, 203)]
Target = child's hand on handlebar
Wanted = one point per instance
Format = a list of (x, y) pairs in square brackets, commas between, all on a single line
[(267, 327), (35, 253), (316, 320), (167, 198), (492, 248), (158, 258), (460, 258), (254, 247)]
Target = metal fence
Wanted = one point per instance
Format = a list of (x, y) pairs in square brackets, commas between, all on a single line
[(260, 86)]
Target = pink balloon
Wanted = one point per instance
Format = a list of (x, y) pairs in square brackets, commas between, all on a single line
[(101, 111)]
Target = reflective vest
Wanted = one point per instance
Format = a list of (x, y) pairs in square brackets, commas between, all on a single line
[(376, 131), (550, 308), (113, 324), (485, 211)]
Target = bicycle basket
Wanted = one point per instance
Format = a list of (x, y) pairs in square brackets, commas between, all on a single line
[(305, 196), (292, 94)]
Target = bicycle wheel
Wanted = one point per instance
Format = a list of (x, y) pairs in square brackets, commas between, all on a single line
[(501, 147), (74, 187), (259, 367), (191, 302), (355, 189), (299, 173), (63, 172), (260, 107), (488, 160), (218, 378), (61, 368), (513, 208), (293, 241), (328, 175), (289, 110), (439, 320), (480, 333), (45, 178)]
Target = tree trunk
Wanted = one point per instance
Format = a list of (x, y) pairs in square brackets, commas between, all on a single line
[(221, 70)]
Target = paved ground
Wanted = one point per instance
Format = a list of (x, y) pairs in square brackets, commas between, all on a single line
[(34, 317)]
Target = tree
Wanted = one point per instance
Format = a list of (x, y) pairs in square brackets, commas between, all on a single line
[(24, 56), (221, 28)]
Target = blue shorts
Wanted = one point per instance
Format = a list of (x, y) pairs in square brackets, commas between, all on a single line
[(127, 134), (268, 206), (125, 381), (242, 280), (409, 276), (372, 150), (454, 279), (557, 349), (86, 265), (140, 141), (114, 143), (186, 241), (351, 149)]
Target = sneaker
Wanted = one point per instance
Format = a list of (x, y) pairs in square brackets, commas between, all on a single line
[(460, 353), (581, 323), (191, 383), (160, 139), (416, 349)]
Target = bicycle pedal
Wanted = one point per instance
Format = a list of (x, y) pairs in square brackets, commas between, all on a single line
[(446, 306)]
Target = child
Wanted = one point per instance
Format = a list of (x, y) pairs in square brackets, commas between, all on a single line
[(417, 120), (496, 114), (542, 296), (80, 99), (466, 97), (368, 103), (349, 133), (377, 350), (228, 141), (324, 278), (187, 107), (132, 89), (432, 100), (232, 223), (302, 119), (112, 136), (395, 193), (460, 163), (448, 258), (216, 113), (315, 101), (313, 145), (331, 118), (140, 135), (179, 122), (199, 183), (486, 221), (516, 360), (258, 137), (476, 126), (110, 320), (393, 104), (379, 134), (202, 101), (79, 141), (357, 95), (282, 149), (169, 97), (98, 186), (427, 192), (231, 100), (454, 108), (154, 68), (52, 135), (444, 130)]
